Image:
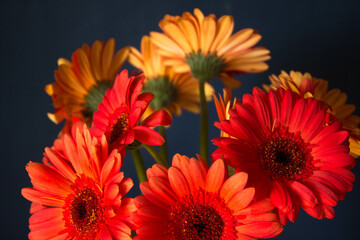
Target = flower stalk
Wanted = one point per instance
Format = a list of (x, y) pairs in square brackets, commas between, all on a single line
[(204, 121), (156, 155), (163, 147), (139, 165)]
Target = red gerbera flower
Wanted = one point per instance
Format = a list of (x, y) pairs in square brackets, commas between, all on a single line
[(119, 114), (289, 151), (78, 193), (190, 201)]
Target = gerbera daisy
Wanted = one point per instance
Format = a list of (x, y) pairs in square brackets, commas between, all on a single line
[(79, 191), (334, 99), (289, 151), (206, 47), (172, 92), (190, 201), (120, 112), (81, 84)]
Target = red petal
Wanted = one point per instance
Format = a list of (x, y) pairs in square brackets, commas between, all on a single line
[(148, 136), (158, 118), (216, 176)]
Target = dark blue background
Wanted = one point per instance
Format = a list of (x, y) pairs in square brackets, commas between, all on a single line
[(321, 37)]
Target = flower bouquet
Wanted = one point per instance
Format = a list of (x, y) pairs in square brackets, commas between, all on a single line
[(288, 145)]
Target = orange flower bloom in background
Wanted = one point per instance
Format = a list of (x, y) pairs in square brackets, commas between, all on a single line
[(190, 201), (334, 99), (172, 92), (291, 155), (120, 112), (79, 193), (205, 47), (81, 84), (223, 105)]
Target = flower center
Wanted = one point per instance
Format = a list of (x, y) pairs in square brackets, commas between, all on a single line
[(165, 92), (83, 211), (203, 216), (285, 157), (205, 68), (119, 126), (94, 97)]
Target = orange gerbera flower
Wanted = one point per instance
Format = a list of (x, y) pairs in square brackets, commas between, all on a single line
[(79, 191), (172, 92), (81, 84), (205, 47), (190, 201), (334, 99), (120, 112), (291, 155)]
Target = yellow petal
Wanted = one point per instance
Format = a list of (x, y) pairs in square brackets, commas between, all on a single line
[(107, 56), (229, 81), (96, 59), (189, 30), (224, 28), (87, 78), (208, 33), (177, 36), (64, 61), (164, 42), (236, 39), (49, 89), (249, 67), (135, 58), (117, 62)]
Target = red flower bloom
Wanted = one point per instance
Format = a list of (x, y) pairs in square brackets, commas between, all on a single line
[(119, 114), (78, 193), (289, 151), (190, 201)]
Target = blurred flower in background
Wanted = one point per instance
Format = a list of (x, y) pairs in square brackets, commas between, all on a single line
[(81, 84)]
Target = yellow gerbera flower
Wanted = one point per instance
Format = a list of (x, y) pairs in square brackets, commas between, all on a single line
[(172, 92), (205, 47), (308, 86), (81, 84)]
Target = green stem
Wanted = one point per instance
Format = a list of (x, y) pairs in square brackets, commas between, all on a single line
[(204, 121), (139, 165), (163, 148), (156, 155)]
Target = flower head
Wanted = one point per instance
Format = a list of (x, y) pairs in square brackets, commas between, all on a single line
[(289, 151), (79, 191), (81, 84), (120, 112), (172, 92), (334, 100), (206, 47), (190, 201)]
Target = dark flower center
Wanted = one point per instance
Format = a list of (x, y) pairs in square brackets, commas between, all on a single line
[(84, 213), (120, 126), (205, 68), (94, 97), (198, 222), (285, 157), (201, 216), (165, 92)]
